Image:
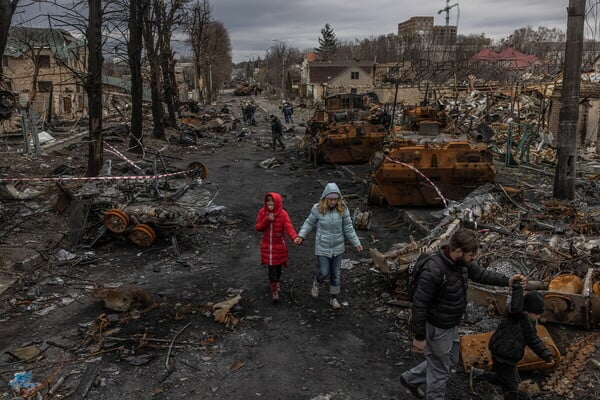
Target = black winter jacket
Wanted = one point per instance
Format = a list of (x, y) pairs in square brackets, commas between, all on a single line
[(440, 297), (515, 331)]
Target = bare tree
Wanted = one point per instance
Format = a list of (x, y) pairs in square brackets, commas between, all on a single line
[(169, 16), (134, 52), (152, 56), (196, 25), (94, 87)]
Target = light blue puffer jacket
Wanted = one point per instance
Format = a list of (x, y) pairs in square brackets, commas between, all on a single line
[(331, 227)]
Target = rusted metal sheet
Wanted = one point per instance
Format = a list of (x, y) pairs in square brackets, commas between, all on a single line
[(577, 309), (456, 168), (474, 352)]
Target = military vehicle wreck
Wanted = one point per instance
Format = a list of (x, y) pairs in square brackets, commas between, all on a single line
[(142, 220), (348, 130), (569, 300), (418, 170)]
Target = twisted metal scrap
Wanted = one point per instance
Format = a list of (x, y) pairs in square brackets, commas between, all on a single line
[(571, 365)]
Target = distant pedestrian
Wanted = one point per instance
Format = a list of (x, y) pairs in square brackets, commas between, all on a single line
[(331, 218), (274, 223), (244, 108), (276, 132), (287, 111), (507, 345), (251, 113)]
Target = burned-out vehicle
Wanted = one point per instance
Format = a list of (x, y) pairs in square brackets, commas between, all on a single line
[(569, 299), (142, 219), (420, 170), (348, 129), (245, 89)]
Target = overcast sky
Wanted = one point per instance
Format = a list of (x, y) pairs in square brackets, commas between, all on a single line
[(252, 24)]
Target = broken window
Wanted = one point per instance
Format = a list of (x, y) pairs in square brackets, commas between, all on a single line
[(44, 86), (354, 75), (43, 61), (4, 61)]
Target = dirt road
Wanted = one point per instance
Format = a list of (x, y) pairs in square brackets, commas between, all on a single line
[(298, 349)]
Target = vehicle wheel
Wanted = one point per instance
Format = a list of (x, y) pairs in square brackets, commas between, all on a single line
[(116, 220), (143, 235)]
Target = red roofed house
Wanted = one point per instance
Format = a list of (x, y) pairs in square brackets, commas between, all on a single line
[(508, 57)]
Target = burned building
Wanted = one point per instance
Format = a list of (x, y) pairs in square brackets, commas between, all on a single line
[(52, 55)]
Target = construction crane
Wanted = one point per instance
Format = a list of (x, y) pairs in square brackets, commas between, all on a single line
[(447, 11)]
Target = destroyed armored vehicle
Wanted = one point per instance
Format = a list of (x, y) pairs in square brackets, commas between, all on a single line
[(245, 89), (568, 299), (419, 170), (349, 129), (424, 119), (143, 221)]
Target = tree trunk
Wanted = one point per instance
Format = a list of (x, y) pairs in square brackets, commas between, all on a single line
[(174, 80), (566, 160), (134, 52), (165, 59), (94, 87), (158, 131), (7, 9)]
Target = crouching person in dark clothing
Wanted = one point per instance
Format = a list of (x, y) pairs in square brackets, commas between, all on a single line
[(507, 344)]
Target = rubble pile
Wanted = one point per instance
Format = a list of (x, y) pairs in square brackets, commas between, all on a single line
[(539, 240)]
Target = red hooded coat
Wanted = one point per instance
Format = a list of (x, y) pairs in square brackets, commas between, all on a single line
[(273, 249)]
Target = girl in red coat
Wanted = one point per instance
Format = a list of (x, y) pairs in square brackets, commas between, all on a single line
[(274, 222)]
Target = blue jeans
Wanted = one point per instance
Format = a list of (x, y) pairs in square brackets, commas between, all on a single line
[(331, 266)]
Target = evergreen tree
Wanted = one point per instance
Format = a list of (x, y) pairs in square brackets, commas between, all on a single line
[(327, 44)]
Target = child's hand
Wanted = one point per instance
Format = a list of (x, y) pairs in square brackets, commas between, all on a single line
[(518, 277), (271, 216), (298, 240)]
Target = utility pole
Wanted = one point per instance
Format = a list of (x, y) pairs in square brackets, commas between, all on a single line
[(566, 159), (283, 59)]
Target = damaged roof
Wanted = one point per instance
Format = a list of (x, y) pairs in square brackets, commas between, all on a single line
[(62, 43)]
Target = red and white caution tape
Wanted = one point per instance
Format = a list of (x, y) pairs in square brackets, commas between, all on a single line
[(99, 178), (412, 167), (116, 152)]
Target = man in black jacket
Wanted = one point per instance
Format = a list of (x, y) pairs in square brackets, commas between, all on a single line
[(439, 303), (507, 344)]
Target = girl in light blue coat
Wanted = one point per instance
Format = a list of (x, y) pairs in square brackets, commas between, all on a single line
[(331, 218)]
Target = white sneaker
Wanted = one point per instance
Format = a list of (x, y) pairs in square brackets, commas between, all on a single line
[(335, 303), (314, 291)]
